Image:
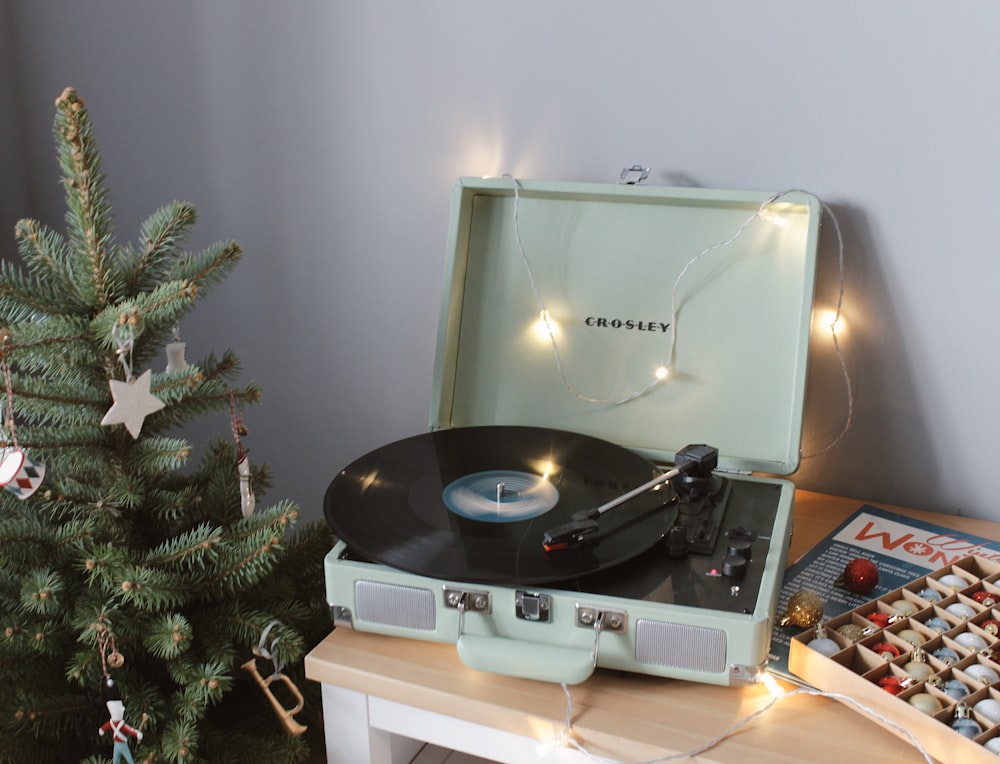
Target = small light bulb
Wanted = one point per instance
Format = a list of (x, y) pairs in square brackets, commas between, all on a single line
[(662, 372), (545, 327), (774, 689), (829, 321), (545, 747), (774, 217)]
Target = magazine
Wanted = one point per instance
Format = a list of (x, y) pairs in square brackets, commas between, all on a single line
[(902, 548)]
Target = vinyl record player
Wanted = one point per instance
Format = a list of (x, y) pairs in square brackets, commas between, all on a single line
[(613, 364)]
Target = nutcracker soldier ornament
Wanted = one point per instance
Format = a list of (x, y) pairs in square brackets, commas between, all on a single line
[(119, 732)]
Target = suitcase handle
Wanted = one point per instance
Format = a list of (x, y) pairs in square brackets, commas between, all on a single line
[(529, 660)]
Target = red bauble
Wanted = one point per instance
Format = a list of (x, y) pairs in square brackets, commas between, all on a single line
[(991, 627), (860, 575), (984, 598), (892, 684), (887, 650), (879, 619)]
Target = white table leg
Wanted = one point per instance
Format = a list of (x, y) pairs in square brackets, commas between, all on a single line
[(350, 739)]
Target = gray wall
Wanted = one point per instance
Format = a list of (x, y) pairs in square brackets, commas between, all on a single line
[(325, 137)]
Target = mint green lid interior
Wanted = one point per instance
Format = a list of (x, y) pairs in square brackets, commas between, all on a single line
[(605, 260)]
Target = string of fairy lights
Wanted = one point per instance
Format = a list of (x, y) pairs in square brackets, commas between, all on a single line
[(659, 377), (776, 694), (661, 373)]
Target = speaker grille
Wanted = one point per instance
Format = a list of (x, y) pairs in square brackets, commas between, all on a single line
[(394, 605), (689, 647)]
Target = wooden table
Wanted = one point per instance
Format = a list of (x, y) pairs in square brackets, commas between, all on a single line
[(384, 696)]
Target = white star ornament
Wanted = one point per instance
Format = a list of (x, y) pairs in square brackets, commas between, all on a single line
[(132, 403)]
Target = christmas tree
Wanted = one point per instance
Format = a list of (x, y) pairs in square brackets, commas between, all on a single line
[(129, 570)]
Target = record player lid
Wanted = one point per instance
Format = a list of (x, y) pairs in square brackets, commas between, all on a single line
[(614, 266)]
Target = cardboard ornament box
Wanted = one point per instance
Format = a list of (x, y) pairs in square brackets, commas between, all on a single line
[(947, 620)]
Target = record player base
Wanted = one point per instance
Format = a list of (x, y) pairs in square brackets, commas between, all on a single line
[(384, 697)]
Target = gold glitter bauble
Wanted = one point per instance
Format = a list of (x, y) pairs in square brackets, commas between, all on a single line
[(852, 631), (804, 609)]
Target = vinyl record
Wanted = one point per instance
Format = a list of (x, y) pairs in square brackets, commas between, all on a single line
[(472, 504)]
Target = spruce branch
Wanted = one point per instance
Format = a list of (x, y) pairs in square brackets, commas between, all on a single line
[(175, 386), (23, 298), (58, 341), (188, 550), (261, 541), (158, 455), (169, 636), (84, 667), (41, 592), (206, 685), (70, 444), (102, 560), (34, 637), (159, 238), (247, 625), (25, 541), (88, 217), (173, 507), (54, 404), (200, 395), (51, 288), (209, 267), (152, 591), (48, 715), (154, 310), (180, 741), (227, 735)]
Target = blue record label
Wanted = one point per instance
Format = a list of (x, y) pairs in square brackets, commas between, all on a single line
[(500, 496)]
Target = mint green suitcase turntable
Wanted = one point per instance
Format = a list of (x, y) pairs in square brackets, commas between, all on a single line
[(593, 338)]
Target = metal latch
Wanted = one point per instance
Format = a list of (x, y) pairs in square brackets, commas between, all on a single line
[(531, 606), (634, 175), (615, 621), (468, 599)]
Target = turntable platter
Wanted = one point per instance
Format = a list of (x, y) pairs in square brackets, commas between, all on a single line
[(472, 504)]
